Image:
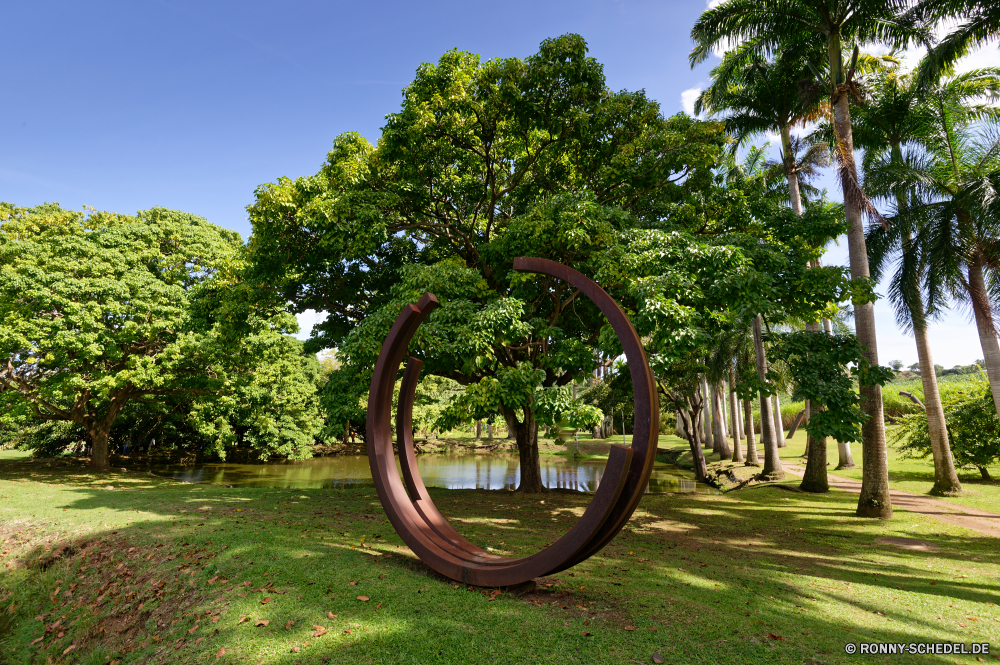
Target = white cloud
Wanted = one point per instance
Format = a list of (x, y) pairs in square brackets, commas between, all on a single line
[(307, 320), (712, 4), (688, 98)]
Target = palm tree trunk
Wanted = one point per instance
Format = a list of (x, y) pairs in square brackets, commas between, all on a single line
[(719, 425), (985, 325), (707, 439), (945, 479), (814, 479), (752, 459), (734, 415), (779, 424), (772, 462), (788, 159), (874, 500)]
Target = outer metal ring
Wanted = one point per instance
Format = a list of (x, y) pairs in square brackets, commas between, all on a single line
[(409, 507)]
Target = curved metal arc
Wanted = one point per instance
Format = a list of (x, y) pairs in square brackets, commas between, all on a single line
[(409, 506)]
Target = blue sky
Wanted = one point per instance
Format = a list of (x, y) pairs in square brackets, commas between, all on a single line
[(191, 105)]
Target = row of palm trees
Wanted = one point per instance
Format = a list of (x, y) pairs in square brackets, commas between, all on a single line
[(931, 144)]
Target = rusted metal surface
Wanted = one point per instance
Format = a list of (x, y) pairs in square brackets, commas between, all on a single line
[(412, 512)]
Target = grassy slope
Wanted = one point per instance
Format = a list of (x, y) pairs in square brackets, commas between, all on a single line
[(761, 576)]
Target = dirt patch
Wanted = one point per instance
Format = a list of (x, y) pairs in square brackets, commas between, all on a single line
[(561, 600), (116, 595), (907, 543)]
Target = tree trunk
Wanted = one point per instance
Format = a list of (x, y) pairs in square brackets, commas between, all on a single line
[(814, 479), (689, 421), (772, 462), (984, 472), (752, 459), (734, 414), (100, 461), (489, 431), (945, 478), (479, 429), (527, 451), (718, 425), (986, 327), (510, 420), (779, 424), (707, 440), (844, 458), (796, 423), (791, 176), (874, 500)]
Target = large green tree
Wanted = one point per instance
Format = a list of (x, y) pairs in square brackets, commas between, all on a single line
[(484, 162), (100, 311), (775, 23)]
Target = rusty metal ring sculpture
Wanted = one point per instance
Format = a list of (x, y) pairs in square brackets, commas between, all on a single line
[(410, 508)]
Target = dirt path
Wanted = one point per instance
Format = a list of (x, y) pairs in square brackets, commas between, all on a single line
[(981, 521)]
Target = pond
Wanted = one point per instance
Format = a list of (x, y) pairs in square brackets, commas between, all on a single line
[(493, 471)]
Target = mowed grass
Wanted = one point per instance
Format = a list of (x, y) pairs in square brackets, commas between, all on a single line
[(909, 475), (161, 572)]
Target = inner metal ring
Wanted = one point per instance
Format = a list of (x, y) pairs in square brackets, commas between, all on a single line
[(412, 512)]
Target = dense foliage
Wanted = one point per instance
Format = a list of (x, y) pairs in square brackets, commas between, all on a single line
[(104, 314)]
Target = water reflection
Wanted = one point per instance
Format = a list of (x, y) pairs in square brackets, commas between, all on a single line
[(445, 470)]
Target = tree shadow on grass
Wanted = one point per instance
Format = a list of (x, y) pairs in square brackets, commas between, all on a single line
[(763, 576)]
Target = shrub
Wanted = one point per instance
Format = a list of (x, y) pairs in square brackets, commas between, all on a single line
[(973, 427)]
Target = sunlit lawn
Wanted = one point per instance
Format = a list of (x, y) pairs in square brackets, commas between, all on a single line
[(760, 576), (910, 475)]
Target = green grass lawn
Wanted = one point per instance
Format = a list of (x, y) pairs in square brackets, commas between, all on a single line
[(910, 475), (128, 568)]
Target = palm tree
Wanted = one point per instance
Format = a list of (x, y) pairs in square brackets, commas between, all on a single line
[(774, 23), (980, 23), (757, 95), (896, 115), (952, 178)]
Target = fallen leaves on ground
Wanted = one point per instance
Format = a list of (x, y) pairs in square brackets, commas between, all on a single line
[(262, 623), (364, 599)]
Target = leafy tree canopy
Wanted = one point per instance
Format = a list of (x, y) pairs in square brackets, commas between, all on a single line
[(100, 311), (485, 161)]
